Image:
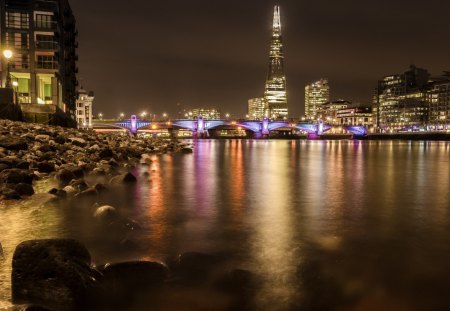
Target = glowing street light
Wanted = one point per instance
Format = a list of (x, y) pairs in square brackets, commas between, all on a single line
[(122, 115), (15, 84), (8, 54), (143, 114), (100, 116), (227, 116)]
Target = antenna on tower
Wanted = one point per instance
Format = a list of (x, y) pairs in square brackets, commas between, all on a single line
[(276, 19)]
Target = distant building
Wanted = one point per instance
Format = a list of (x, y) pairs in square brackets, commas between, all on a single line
[(400, 101), (354, 116), (316, 94), (258, 108), (328, 111), (438, 98), (275, 88), (42, 36), (84, 109), (206, 113)]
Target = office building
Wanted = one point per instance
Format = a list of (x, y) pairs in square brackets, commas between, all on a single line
[(206, 113), (438, 98), (275, 88), (316, 94), (354, 116), (42, 36), (257, 108), (400, 102)]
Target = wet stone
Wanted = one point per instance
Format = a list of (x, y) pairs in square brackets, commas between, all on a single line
[(24, 189), (53, 273)]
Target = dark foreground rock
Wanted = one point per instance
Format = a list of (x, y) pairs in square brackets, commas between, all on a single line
[(1, 252), (123, 179), (53, 273)]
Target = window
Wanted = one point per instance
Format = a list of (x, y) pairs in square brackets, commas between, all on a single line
[(17, 20), (44, 21), (46, 42), (17, 40), (46, 62)]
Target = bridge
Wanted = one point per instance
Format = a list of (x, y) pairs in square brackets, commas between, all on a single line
[(200, 126)]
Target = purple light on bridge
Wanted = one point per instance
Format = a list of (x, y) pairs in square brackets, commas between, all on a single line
[(200, 125), (265, 126), (133, 124)]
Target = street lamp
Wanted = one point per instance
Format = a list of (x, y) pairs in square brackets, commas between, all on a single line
[(164, 115), (100, 116), (122, 115), (8, 54), (227, 116), (15, 84), (143, 114)]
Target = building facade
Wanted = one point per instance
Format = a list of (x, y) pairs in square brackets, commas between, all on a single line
[(354, 116), (316, 94), (258, 108), (400, 102), (206, 113), (328, 111), (42, 36), (438, 98), (275, 88), (84, 109)]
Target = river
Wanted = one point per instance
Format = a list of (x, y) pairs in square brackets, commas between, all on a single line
[(326, 225)]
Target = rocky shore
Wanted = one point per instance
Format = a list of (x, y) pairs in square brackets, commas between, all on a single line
[(29, 152), (59, 275)]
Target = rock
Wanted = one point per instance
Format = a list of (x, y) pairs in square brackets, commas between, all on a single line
[(16, 176), (80, 142), (125, 281), (12, 143), (35, 308), (194, 267), (42, 138), (64, 176), (78, 172), (53, 273), (3, 166), (79, 184), (24, 189), (1, 252), (88, 193), (186, 150), (101, 188), (60, 140), (106, 153), (69, 190), (123, 178), (9, 194), (105, 212), (45, 167)]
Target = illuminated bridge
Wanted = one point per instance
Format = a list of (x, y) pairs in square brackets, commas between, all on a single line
[(200, 127)]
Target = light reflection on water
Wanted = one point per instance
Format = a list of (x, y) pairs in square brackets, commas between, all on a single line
[(326, 224)]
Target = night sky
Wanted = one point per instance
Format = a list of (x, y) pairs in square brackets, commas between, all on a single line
[(150, 55)]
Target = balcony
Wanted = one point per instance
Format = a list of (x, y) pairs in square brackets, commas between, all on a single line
[(47, 45)]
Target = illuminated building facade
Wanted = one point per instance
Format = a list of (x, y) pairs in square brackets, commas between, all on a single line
[(84, 109), (328, 111), (438, 99), (355, 116), (400, 102), (275, 89), (258, 108), (42, 36), (206, 113), (316, 94)]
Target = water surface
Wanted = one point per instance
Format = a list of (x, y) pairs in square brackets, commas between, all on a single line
[(327, 225)]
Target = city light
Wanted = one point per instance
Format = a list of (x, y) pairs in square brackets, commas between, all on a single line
[(15, 83), (8, 54)]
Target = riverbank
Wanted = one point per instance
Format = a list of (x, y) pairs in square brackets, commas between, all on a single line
[(30, 152)]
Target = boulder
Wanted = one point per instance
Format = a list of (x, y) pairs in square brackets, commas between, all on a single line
[(53, 273), (45, 167), (9, 194), (42, 138), (12, 143), (76, 141), (123, 179), (64, 176), (86, 194), (105, 212), (186, 150), (60, 140), (15, 176), (24, 189), (123, 282), (106, 153)]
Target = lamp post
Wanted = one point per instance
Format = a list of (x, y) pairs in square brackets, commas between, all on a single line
[(8, 55)]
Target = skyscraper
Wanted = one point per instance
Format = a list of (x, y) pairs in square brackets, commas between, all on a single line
[(275, 90), (316, 94), (257, 108)]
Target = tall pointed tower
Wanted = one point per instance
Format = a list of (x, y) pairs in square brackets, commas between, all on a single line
[(275, 90)]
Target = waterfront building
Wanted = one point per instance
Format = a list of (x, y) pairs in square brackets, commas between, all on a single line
[(275, 88), (257, 108), (84, 109), (328, 111), (438, 98), (354, 116), (42, 36), (206, 113), (400, 102), (316, 94)]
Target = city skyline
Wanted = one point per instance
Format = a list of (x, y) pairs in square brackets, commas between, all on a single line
[(203, 54)]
